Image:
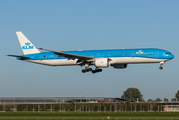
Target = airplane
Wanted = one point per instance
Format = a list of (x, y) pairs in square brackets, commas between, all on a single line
[(117, 58)]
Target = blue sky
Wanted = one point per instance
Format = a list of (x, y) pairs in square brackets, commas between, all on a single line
[(88, 24)]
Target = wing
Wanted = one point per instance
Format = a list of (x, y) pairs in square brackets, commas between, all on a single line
[(70, 56), (19, 56)]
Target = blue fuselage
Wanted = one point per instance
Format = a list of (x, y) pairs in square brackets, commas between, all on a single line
[(150, 53)]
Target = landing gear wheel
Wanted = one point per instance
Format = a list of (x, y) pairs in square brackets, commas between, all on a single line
[(160, 68), (161, 63), (93, 71), (83, 71), (90, 69), (97, 70)]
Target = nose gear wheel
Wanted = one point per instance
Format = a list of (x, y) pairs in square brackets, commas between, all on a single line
[(161, 63)]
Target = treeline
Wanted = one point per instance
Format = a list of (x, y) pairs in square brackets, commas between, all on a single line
[(85, 107), (133, 94)]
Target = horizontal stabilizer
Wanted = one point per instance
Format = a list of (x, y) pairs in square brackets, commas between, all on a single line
[(19, 56)]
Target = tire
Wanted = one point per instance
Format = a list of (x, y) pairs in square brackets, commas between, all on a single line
[(93, 71), (90, 69), (100, 70), (83, 71), (160, 68)]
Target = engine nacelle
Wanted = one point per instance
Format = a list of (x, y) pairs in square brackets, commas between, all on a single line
[(119, 66), (102, 62)]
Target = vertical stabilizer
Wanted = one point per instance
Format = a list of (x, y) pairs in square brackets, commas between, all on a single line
[(26, 45)]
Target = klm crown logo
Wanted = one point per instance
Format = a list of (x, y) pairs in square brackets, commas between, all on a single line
[(139, 52), (27, 43), (28, 46)]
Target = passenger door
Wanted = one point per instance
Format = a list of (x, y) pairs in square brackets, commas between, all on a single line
[(41, 57), (98, 55), (156, 54), (133, 54), (133, 57)]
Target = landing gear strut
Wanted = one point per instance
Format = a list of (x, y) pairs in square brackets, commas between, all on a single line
[(161, 63), (86, 69)]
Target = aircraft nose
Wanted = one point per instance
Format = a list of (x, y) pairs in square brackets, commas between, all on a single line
[(172, 56)]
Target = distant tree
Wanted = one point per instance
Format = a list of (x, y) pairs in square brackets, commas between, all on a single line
[(177, 95), (131, 94), (158, 100), (155, 108), (150, 100), (173, 99), (165, 100)]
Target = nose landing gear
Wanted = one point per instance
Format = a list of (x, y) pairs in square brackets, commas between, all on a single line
[(161, 63)]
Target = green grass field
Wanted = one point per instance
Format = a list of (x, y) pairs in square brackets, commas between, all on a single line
[(89, 116)]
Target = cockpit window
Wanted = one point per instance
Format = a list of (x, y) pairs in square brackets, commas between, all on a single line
[(168, 53)]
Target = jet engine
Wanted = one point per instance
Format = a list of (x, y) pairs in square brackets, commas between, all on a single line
[(119, 66), (102, 62)]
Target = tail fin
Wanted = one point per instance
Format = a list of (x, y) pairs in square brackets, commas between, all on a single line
[(26, 45)]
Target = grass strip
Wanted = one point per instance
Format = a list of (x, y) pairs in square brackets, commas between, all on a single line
[(89, 113)]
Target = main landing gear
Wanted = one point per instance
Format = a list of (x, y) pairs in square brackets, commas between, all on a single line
[(90, 69), (97, 70), (161, 63), (87, 69)]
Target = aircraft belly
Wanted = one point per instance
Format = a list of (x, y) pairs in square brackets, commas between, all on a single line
[(57, 62), (133, 60)]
